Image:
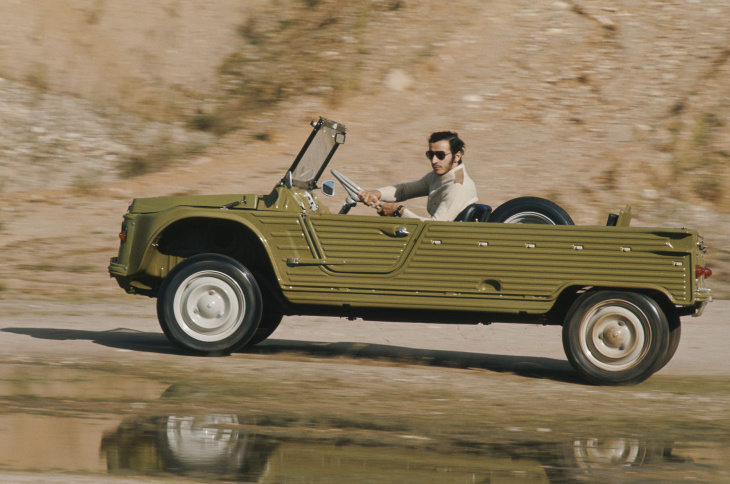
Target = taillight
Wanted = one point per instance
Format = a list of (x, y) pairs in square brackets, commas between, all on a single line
[(123, 235), (703, 271)]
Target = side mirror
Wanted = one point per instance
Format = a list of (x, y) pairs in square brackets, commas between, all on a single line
[(328, 188)]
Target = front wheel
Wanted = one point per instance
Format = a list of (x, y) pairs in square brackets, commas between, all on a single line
[(615, 337), (209, 304)]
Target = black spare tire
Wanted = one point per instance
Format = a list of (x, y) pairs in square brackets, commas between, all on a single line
[(531, 210)]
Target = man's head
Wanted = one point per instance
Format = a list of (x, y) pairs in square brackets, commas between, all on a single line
[(445, 150)]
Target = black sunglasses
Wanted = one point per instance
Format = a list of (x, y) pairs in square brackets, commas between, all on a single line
[(438, 154)]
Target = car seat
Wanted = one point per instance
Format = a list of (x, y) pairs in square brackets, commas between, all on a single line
[(475, 212)]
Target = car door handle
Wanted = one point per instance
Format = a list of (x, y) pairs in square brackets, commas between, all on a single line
[(402, 232)]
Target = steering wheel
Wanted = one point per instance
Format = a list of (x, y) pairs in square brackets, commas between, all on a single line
[(351, 188)]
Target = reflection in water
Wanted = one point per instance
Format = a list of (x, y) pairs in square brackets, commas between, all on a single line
[(41, 430), (608, 453), (207, 445), (204, 441), (224, 447)]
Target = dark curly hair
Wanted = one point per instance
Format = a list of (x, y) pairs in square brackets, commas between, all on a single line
[(456, 143)]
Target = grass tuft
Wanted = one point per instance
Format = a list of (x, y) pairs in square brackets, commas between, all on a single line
[(700, 164)]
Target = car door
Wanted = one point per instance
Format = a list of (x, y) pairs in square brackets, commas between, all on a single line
[(452, 259), (361, 244)]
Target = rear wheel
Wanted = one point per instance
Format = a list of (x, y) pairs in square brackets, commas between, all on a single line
[(531, 210), (615, 338), (209, 304), (675, 334)]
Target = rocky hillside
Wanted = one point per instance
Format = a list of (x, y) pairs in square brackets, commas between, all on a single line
[(591, 104)]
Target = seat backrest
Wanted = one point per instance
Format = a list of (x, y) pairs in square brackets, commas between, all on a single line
[(622, 219), (475, 212)]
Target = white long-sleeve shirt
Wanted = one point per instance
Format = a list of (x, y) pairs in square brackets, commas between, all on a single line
[(448, 194)]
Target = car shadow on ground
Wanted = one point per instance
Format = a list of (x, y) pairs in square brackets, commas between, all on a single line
[(150, 342), (119, 338), (528, 366)]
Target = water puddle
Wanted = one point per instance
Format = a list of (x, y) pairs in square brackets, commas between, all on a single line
[(222, 447), (36, 436), (216, 446)]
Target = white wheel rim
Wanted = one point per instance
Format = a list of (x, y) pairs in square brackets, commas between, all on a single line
[(209, 306), (202, 440), (613, 335), (529, 218)]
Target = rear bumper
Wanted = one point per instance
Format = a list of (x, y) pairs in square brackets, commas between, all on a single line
[(116, 269), (702, 297), (132, 284)]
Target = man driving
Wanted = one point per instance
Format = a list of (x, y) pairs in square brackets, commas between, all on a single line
[(448, 187)]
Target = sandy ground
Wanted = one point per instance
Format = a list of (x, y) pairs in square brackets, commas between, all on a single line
[(88, 331)]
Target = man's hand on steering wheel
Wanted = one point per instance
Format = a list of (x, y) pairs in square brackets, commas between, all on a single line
[(389, 209), (370, 197)]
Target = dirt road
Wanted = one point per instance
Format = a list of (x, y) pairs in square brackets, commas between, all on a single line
[(127, 329)]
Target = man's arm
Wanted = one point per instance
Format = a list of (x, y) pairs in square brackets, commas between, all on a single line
[(447, 202), (406, 191), (387, 199)]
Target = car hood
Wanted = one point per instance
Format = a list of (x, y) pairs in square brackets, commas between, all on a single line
[(158, 204)]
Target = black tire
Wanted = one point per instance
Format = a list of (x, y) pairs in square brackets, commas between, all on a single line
[(675, 334), (270, 320), (615, 337), (531, 210), (209, 304)]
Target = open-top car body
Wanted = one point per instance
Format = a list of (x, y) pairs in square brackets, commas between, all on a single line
[(227, 268)]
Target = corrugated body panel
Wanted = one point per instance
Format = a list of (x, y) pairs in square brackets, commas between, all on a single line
[(284, 232), (403, 301), (285, 236), (365, 241), (540, 260), (470, 266)]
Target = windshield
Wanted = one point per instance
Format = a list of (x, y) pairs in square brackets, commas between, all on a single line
[(316, 153)]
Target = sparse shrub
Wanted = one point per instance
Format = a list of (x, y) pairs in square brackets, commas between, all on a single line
[(697, 161), (710, 188), (157, 159), (206, 122), (264, 136), (38, 77)]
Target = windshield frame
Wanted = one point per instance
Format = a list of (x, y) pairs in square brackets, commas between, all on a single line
[(308, 166)]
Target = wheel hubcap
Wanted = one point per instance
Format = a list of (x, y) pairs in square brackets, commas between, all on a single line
[(615, 336), (209, 306)]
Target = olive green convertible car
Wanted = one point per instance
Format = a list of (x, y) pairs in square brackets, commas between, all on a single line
[(227, 268)]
